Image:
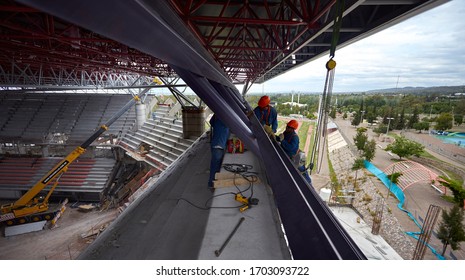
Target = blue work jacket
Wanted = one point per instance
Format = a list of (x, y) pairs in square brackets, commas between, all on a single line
[(267, 116), (290, 143), (220, 133)]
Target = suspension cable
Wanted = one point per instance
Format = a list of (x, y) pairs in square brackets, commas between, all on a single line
[(325, 100)]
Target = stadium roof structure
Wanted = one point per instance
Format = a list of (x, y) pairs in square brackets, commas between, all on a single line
[(82, 43)]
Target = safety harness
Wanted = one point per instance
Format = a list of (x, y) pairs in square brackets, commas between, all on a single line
[(267, 115)]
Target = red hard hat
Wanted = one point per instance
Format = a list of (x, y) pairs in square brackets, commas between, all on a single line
[(264, 101), (293, 123)]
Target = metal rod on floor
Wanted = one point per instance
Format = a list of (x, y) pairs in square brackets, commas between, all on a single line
[(218, 252)]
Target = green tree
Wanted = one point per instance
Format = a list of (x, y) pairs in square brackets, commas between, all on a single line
[(444, 121), (421, 126), (405, 148), (359, 163), (369, 150), (451, 229), (371, 117), (394, 177), (356, 119), (414, 118), (361, 111), (380, 129), (400, 124), (387, 114), (332, 113), (456, 188), (458, 119), (361, 138), (344, 116)]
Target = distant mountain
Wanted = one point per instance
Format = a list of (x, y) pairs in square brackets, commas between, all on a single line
[(421, 90), (442, 90)]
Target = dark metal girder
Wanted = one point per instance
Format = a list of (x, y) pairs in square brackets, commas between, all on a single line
[(271, 26), (247, 21), (246, 48)]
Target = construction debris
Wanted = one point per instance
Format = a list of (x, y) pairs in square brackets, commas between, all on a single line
[(86, 207), (94, 232)]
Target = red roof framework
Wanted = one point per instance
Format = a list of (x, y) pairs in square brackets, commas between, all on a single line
[(251, 41)]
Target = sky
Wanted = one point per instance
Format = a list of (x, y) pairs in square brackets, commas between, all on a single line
[(424, 51)]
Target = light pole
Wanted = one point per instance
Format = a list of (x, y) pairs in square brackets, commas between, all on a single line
[(389, 122), (390, 181), (361, 117)]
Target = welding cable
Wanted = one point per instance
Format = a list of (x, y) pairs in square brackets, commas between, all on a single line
[(243, 170), (205, 207)]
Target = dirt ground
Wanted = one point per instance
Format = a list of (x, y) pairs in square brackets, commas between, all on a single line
[(65, 241)]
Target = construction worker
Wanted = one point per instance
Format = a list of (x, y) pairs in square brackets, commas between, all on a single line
[(219, 137), (289, 139), (266, 114), (290, 144)]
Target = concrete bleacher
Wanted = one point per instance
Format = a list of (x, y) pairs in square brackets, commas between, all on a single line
[(31, 117), (42, 120), (336, 141), (164, 136), (411, 173), (85, 178), (34, 118)]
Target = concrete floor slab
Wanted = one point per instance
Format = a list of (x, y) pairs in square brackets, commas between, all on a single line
[(259, 236)]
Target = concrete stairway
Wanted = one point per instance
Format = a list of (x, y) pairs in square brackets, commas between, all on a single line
[(159, 141), (84, 180), (30, 118)]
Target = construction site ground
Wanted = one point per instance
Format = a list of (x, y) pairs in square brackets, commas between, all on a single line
[(73, 232)]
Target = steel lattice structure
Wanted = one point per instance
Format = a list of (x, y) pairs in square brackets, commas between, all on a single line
[(251, 41)]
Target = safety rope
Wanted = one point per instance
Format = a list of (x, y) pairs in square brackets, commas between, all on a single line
[(336, 27), (325, 101)]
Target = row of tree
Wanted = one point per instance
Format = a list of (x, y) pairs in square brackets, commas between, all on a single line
[(397, 119), (402, 111)]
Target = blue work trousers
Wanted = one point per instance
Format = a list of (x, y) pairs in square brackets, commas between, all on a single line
[(305, 174), (215, 164)]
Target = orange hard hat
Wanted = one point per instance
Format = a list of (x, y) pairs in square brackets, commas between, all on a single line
[(293, 123), (264, 101)]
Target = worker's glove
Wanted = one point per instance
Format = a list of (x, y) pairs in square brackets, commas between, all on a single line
[(268, 129), (280, 137)]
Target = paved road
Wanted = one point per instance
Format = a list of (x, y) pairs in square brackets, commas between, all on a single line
[(434, 145), (418, 197)]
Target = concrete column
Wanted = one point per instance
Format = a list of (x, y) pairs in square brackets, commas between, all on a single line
[(193, 122), (45, 152), (140, 114), (22, 149)]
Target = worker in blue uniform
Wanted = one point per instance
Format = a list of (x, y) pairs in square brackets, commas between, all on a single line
[(266, 114), (219, 137), (290, 139), (290, 143)]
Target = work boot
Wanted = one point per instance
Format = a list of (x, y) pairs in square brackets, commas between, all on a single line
[(211, 187)]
